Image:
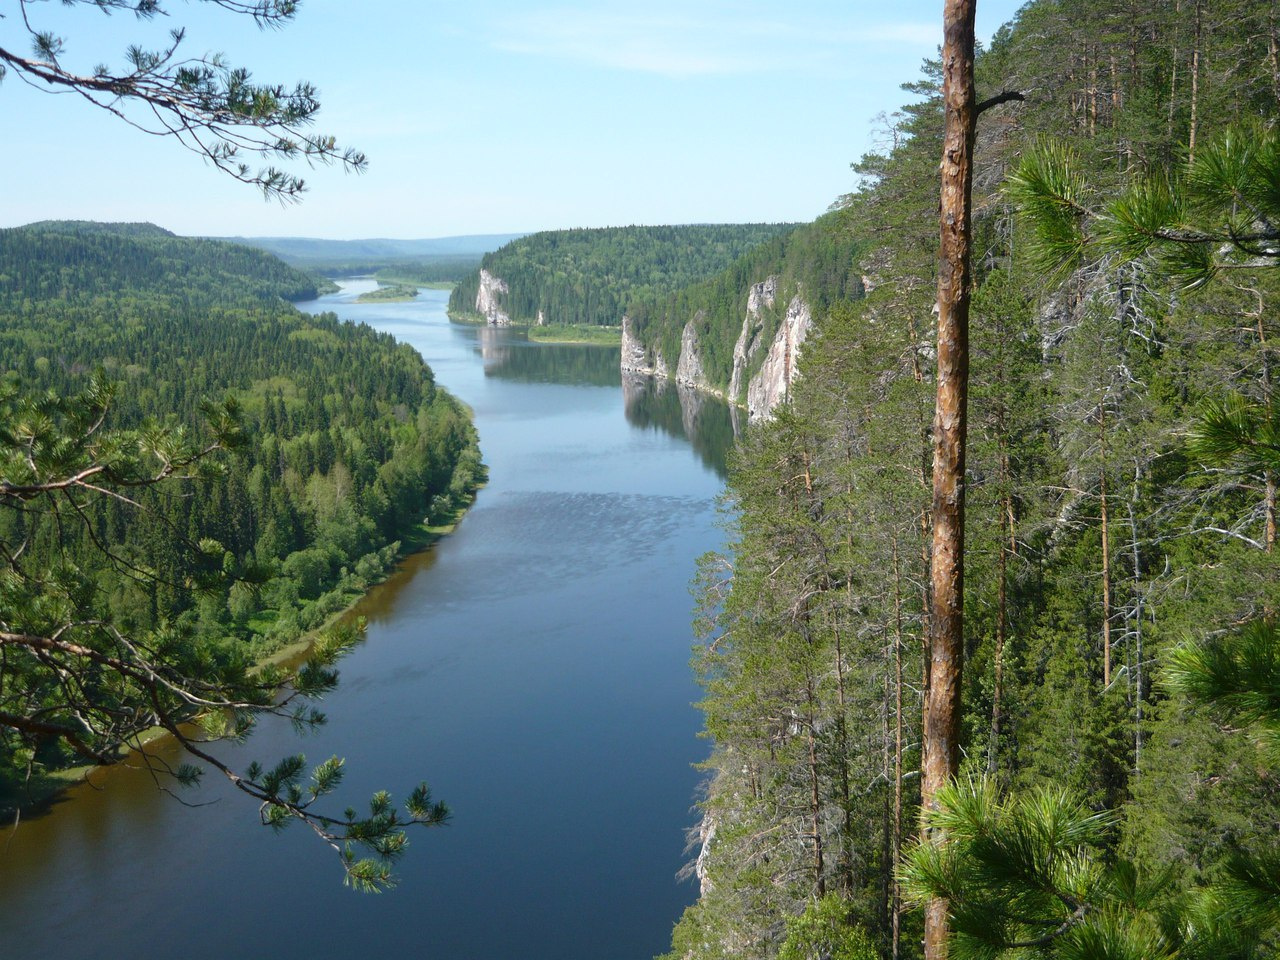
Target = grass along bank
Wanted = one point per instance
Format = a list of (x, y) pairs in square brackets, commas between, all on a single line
[(393, 293), (575, 333)]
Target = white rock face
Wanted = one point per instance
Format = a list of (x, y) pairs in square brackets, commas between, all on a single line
[(706, 834), (487, 299), (769, 387), (760, 298), (689, 369), (635, 359)]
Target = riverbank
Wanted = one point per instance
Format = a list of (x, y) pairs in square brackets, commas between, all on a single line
[(575, 333), (390, 293), (43, 788), (410, 282)]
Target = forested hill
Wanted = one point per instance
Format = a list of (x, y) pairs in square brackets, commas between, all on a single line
[(349, 445), (1121, 484), (305, 251), (440, 259), (81, 261), (588, 276)]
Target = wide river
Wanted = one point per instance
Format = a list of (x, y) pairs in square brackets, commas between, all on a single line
[(532, 667)]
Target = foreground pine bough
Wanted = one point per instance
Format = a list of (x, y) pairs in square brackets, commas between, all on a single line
[(68, 676)]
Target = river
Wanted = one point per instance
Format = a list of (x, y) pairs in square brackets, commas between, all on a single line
[(532, 667)]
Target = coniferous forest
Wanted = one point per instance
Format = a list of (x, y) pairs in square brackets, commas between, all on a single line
[(1117, 794), (344, 445), (590, 277)]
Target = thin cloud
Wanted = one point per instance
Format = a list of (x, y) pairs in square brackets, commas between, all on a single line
[(916, 34), (678, 45)]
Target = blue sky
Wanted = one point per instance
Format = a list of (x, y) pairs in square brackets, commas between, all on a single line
[(496, 115)]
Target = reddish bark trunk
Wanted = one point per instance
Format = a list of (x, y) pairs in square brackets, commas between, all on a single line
[(949, 427)]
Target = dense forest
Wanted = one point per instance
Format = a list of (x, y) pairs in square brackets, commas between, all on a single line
[(307, 252), (438, 260), (346, 446), (591, 276), (1121, 493), (79, 261), (425, 272)]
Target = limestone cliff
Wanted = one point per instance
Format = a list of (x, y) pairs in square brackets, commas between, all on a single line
[(760, 298), (636, 359), (760, 392), (689, 370), (487, 304), (768, 388)]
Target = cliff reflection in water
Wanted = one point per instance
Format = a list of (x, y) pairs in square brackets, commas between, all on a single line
[(709, 424), (508, 355)]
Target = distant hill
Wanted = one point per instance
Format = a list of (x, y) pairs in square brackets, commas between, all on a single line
[(79, 261), (80, 228), (589, 276), (306, 251)]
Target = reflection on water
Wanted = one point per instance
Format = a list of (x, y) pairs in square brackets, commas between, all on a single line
[(508, 355), (708, 423)]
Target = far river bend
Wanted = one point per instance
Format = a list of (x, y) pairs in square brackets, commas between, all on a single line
[(532, 667)]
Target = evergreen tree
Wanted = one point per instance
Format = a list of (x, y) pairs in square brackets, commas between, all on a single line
[(207, 105)]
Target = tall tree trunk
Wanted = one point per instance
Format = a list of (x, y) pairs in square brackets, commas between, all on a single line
[(1106, 549), (895, 915), (1195, 81), (815, 796), (1173, 71), (845, 866), (1269, 478), (1115, 92), (889, 858), (949, 427), (1273, 52), (1091, 59), (997, 692), (1137, 624), (1008, 545)]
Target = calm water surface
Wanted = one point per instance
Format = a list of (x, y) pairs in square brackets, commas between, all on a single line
[(532, 668)]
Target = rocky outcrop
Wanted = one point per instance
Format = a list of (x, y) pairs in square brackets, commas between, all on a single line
[(689, 370), (760, 298), (706, 834), (487, 304), (769, 387), (636, 359)]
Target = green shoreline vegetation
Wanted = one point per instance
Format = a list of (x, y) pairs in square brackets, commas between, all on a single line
[(575, 333), (338, 444), (392, 293), (581, 333), (393, 278), (43, 788)]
